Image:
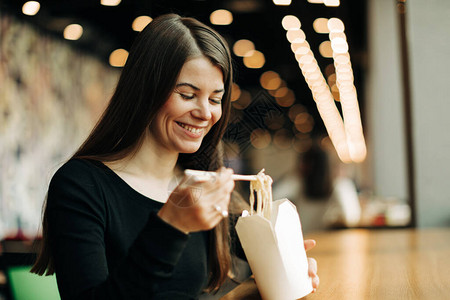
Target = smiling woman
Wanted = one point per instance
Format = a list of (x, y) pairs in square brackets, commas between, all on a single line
[(192, 109), (113, 229)]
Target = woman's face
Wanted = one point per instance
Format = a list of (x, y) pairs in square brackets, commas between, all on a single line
[(192, 109)]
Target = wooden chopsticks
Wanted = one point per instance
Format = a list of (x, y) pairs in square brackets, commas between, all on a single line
[(209, 174)]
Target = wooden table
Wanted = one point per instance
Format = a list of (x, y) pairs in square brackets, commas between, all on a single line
[(376, 264)]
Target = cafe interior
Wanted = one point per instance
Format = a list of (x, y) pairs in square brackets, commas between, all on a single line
[(353, 91)]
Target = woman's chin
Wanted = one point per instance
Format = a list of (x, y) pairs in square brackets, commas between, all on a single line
[(189, 150)]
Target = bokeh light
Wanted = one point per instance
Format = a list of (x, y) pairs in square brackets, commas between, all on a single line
[(244, 100), (332, 3), (118, 57), (243, 47), (325, 49), (291, 22), (282, 139), (255, 60), (295, 35), (270, 80), (110, 2), (282, 2), (141, 22), (260, 138), (31, 8), (335, 25), (235, 92), (320, 25), (73, 32), (221, 17)]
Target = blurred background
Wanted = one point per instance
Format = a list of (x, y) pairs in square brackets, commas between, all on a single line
[(60, 60)]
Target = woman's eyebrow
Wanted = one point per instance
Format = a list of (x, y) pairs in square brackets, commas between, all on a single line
[(187, 84), (196, 88)]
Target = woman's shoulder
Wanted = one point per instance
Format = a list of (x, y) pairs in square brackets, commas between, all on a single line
[(78, 170), (78, 166), (77, 183)]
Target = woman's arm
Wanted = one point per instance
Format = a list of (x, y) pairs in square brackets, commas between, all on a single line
[(77, 222)]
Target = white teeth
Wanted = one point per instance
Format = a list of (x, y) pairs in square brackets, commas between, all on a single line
[(190, 128)]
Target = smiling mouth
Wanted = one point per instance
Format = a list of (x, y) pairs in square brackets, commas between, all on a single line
[(191, 128)]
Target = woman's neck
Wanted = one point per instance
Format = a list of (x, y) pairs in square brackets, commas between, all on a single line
[(151, 161), (150, 171)]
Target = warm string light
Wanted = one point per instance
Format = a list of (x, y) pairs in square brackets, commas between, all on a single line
[(347, 139), (290, 22), (331, 3), (347, 90)]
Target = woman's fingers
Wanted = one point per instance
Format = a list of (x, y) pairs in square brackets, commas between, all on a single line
[(312, 264), (204, 199), (315, 282), (309, 244), (312, 267), (221, 192), (312, 272)]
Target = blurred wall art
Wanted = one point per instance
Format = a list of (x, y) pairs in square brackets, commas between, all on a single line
[(51, 94)]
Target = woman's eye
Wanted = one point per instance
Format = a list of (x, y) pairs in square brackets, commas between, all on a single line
[(216, 101), (186, 96)]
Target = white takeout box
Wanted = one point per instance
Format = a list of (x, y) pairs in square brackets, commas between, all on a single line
[(276, 253)]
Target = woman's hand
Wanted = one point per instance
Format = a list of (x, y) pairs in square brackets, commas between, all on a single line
[(199, 203), (312, 264)]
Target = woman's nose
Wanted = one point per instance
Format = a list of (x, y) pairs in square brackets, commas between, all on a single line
[(202, 111)]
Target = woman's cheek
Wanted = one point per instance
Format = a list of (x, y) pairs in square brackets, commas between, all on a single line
[(218, 115)]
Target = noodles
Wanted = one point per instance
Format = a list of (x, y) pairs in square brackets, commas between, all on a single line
[(262, 187)]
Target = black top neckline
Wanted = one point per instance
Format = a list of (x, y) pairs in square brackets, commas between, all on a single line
[(126, 188)]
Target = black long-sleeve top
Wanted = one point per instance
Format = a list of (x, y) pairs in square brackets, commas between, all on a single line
[(108, 242)]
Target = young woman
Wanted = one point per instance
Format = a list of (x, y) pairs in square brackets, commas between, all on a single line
[(121, 220)]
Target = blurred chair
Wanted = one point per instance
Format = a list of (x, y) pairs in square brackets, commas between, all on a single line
[(24, 285)]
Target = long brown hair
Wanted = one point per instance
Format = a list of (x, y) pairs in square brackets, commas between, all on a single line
[(147, 79)]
